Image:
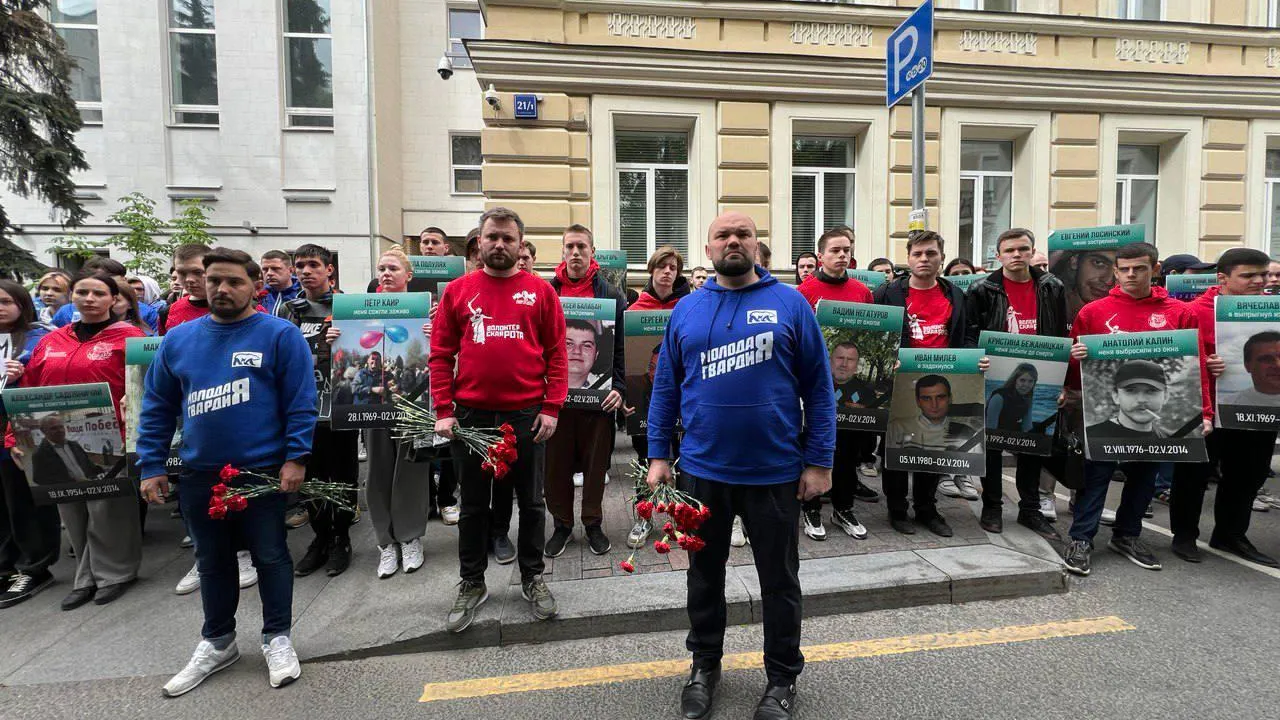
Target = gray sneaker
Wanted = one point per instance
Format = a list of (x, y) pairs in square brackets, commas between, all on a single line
[(639, 534), (535, 590), (471, 595)]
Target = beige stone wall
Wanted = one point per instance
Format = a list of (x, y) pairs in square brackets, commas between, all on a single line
[(1222, 185), (742, 162), (1074, 171)]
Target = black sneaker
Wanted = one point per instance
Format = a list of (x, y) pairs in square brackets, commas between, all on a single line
[(1034, 521), (848, 522), (542, 603), (864, 493), (555, 544), (1187, 550), (937, 525), (1150, 512), (1134, 549), (503, 552), (315, 558), (23, 588), (597, 540), (902, 525), (813, 526), (1076, 557), (339, 558), (992, 520), (471, 595)]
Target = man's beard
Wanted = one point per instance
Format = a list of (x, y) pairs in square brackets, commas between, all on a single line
[(225, 312), (733, 268), (499, 261)]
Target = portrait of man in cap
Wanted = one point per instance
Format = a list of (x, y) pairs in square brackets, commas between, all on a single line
[(1140, 390)]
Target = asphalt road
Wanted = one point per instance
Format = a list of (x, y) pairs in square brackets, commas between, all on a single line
[(1202, 645)]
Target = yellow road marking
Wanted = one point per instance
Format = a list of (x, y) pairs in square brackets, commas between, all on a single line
[(606, 674)]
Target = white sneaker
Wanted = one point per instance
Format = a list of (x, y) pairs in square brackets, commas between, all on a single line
[(411, 554), (282, 661), (205, 661), (813, 526), (1260, 505), (248, 573), (639, 533), (849, 523), (189, 582), (867, 469), (948, 487), (965, 486), (1108, 517), (388, 561), (449, 515), (606, 478), (1048, 506), (577, 480), (739, 536)]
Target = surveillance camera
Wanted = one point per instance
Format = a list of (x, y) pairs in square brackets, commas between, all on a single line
[(491, 97), (445, 67)]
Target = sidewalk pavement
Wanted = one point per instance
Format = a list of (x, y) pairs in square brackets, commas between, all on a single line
[(151, 631)]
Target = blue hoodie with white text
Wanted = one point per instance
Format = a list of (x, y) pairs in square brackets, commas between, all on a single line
[(736, 366)]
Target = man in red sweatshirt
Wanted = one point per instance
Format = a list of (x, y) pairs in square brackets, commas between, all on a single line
[(1245, 455), (585, 440), (830, 281), (502, 330), (1134, 305)]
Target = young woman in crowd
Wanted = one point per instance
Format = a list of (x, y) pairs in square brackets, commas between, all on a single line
[(396, 489), (959, 266), (105, 534), (29, 533), (126, 308), (52, 292)]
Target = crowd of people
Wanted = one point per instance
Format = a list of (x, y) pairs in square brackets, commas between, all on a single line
[(228, 318)]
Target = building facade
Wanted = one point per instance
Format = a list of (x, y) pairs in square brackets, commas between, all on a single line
[(655, 116)]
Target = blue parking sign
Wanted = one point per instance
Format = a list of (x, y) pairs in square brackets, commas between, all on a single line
[(909, 54)]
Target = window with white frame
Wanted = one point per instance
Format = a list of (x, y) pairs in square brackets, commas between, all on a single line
[(986, 197), (193, 62), (1141, 9), (1137, 184), (652, 170), (822, 183), (308, 39), (1273, 202), (1273, 14), (76, 21), (993, 5), (463, 25), (464, 155)]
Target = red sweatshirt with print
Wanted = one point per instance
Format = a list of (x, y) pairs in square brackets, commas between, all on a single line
[(1119, 312), (849, 289), (505, 337)]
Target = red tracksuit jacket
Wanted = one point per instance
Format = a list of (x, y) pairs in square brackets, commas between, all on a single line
[(61, 359)]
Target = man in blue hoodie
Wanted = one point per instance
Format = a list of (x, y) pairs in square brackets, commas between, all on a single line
[(756, 454), (278, 282)]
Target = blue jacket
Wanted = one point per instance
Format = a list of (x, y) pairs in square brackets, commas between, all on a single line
[(246, 391), (736, 366), (23, 355), (68, 314), (275, 299)]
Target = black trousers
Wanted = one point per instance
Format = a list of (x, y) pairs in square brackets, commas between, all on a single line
[(852, 447), (1245, 458), (334, 459), (771, 514), (1027, 479), (479, 494), (30, 534)]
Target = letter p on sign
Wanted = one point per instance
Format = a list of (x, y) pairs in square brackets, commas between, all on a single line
[(909, 54)]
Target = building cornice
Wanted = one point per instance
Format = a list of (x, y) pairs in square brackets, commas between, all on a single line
[(586, 70)]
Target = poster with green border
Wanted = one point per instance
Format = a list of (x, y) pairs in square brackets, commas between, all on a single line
[(139, 352), (589, 338), (1142, 397), (862, 344), (381, 353), (643, 331), (613, 265), (1247, 330), (1186, 287), (1023, 383), (1093, 238), (432, 271), (70, 442), (936, 417), (964, 282), (871, 278)]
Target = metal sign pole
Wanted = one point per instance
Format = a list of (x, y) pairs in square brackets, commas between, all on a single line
[(917, 155)]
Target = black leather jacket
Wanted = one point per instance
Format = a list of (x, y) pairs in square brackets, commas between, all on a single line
[(987, 304)]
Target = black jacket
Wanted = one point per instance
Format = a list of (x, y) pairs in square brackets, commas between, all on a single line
[(895, 293), (600, 288), (987, 304)]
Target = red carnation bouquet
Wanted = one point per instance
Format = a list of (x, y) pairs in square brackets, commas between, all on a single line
[(686, 515), (496, 445), (227, 499)]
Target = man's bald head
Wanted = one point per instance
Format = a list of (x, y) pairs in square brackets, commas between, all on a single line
[(731, 244), (731, 219)]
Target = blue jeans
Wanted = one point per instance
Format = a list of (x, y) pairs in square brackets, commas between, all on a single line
[(1164, 476), (1139, 488), (260, 528)]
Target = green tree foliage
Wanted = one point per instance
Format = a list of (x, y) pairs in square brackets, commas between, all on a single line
[(147, 238), (191, 225), (38, 122)]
